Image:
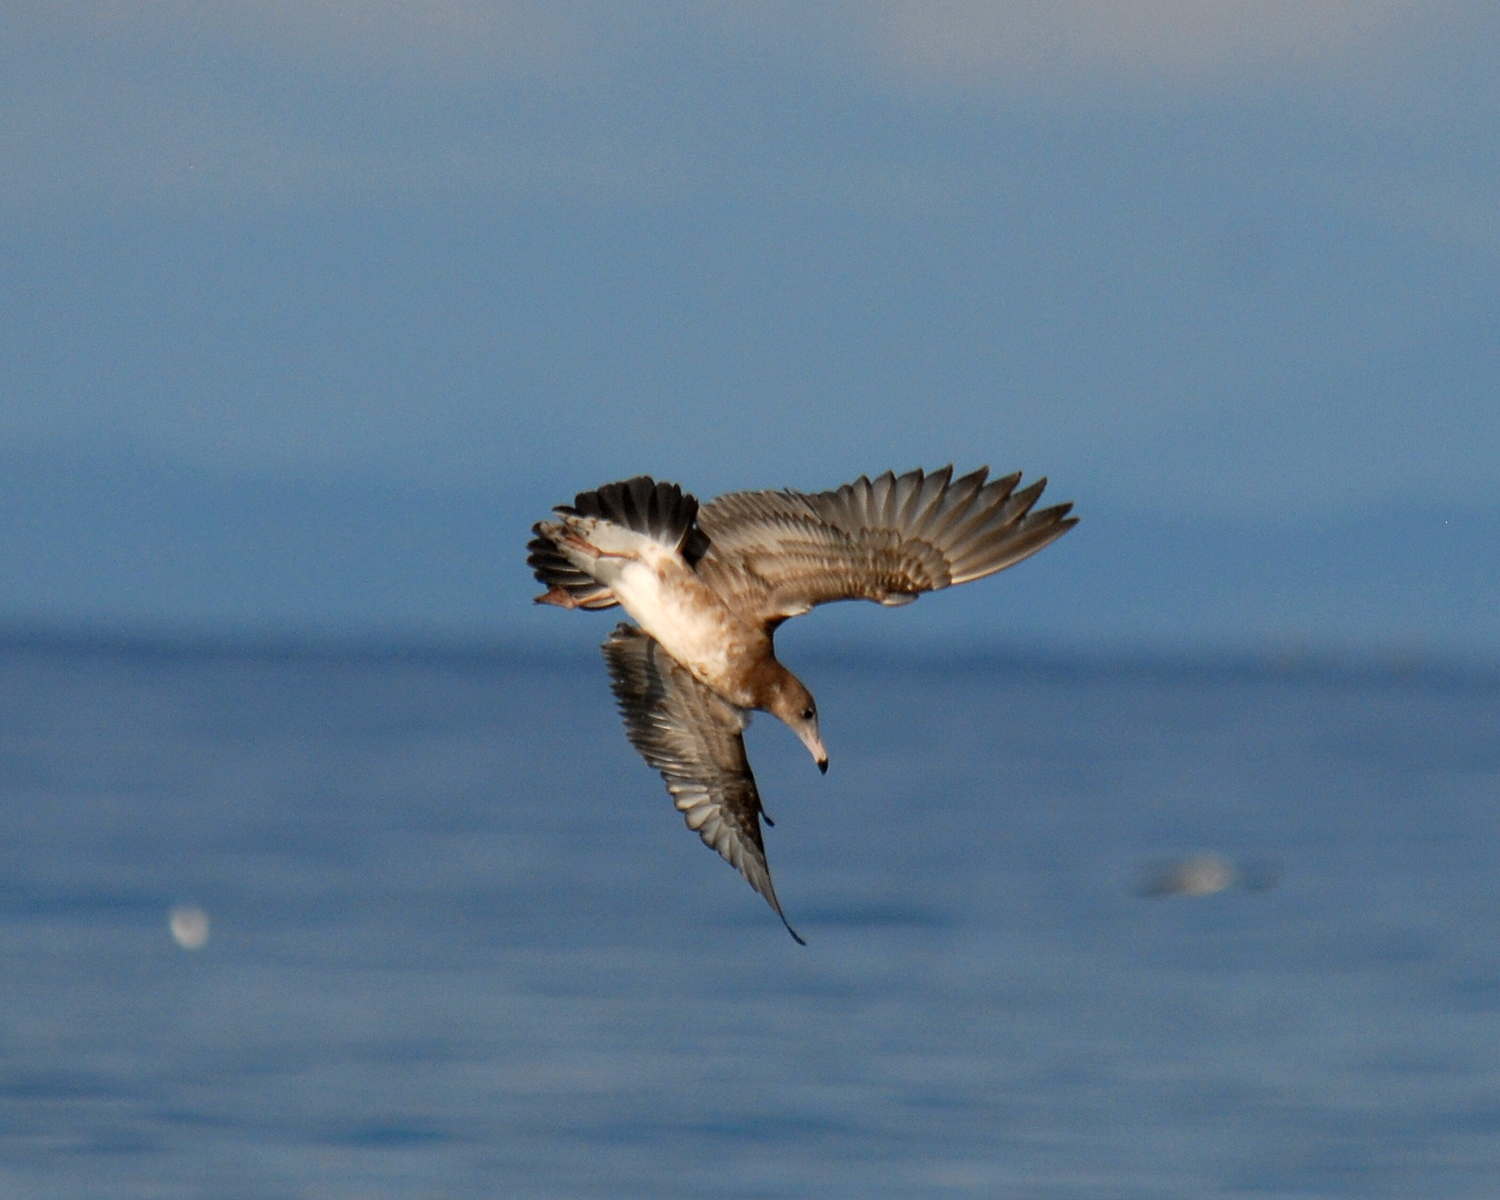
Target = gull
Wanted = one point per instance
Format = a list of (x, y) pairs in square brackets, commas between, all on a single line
[(708, 585)]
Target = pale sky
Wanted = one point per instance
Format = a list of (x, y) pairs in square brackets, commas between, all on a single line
[(1233, 260)]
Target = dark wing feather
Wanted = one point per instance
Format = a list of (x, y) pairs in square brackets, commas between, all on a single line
[(694, 738), (775, 554)]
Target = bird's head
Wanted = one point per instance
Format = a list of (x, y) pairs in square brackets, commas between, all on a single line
[(793, 703)]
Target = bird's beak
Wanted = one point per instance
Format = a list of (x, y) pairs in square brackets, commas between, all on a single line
[(814, 745)]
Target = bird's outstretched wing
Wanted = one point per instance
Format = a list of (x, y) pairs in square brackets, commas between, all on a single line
[(776, 554), (695, 739)]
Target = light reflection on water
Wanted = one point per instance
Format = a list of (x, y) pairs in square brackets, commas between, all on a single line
[(462, 945)]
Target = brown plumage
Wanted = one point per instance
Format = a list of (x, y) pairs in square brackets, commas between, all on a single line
[(709, 585), (695, 739)]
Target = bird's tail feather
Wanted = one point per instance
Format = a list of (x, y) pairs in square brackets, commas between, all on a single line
[(660, 511)]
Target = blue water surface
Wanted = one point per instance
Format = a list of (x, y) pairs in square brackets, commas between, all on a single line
[(461, 945)]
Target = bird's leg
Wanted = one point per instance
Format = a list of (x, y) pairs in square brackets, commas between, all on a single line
[(585, 546), (557, 595)]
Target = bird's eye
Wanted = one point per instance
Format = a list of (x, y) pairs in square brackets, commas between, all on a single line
[(808, 714)]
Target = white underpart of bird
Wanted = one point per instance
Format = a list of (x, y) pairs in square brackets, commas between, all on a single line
[(654, 584)]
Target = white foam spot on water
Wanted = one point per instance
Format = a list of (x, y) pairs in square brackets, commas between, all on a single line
[(1191, 875), (189, 926)]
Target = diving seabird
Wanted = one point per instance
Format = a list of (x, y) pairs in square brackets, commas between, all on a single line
[(708, 585)]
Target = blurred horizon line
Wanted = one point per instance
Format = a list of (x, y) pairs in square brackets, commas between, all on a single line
[(310, 642)]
